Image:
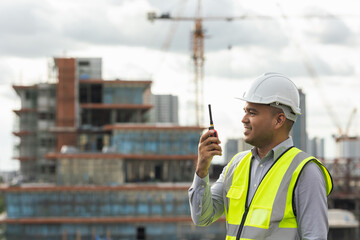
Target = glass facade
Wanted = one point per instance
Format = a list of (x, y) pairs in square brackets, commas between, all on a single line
[(132, 203), (119, 231), (97, 203), (123, 95), (155, 142)]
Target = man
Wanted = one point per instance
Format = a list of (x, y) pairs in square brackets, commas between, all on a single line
[(275, 191)]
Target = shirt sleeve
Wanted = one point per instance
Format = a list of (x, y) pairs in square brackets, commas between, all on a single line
[(311, 204), (206, 203)]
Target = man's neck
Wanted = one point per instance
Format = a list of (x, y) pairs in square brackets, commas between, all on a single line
[(264, 150)]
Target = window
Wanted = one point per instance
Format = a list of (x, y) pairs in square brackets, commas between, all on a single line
[(48, 169), (51, 116), (47, 142), (43, 142), (84, 63), (46, 115), (84, 93), (140, 233), (27, 95), (42, 116)]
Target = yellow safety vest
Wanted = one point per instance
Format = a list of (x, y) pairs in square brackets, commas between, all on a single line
[(270, 213)]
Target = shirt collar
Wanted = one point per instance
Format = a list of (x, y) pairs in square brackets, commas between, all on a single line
[(277, 151)]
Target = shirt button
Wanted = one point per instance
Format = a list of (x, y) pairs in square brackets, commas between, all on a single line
[(261, 165), (255, 185)]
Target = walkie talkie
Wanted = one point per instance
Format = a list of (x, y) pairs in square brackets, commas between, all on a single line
[(212, 124)]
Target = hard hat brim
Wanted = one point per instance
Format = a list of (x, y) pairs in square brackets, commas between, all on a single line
[(296, 111)]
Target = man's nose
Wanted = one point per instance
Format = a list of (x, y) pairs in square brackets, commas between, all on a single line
[(245, 119)]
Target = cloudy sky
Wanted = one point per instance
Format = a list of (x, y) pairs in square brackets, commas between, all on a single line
[(294, 37)]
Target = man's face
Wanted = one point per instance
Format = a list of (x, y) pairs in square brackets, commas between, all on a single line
[(258, 123)]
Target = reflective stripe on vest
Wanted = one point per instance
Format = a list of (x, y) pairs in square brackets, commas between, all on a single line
[(271, 209)]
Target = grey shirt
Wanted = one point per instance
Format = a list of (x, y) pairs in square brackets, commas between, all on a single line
[(207, 203)]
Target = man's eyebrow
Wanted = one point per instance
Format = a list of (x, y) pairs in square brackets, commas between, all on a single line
[(250, 109)]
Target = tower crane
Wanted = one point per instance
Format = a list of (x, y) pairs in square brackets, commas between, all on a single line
[(198, 49), (341, 134), (344, 135), (351, 118), (198, 55)]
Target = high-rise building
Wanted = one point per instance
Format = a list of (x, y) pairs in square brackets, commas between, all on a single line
[(234, 146), (243, 146), (316, 147), (231, 148), (298, 131), (165, 110), (94, 167)]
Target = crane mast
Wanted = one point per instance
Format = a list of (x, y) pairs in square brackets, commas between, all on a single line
[(197, 56)]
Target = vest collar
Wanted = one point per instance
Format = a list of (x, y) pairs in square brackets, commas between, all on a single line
[(277, 151)]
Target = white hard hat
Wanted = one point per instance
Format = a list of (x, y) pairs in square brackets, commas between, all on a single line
[(278, 91)]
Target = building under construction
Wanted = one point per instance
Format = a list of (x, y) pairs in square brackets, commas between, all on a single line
[(93, 165), (98, 162), (345, 169)]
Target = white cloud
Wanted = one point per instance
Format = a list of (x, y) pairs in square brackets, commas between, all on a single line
[(235, 52)]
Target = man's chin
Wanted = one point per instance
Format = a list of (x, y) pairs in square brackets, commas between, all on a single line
[(247, 140)]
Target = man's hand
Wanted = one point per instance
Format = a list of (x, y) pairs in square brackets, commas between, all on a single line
[(208, 148)]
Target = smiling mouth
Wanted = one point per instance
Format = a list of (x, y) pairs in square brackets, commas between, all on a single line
[(247, 130)]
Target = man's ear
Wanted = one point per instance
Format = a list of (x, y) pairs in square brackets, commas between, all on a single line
[(280, 120)]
